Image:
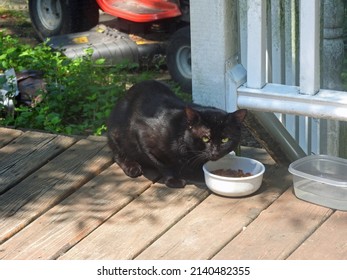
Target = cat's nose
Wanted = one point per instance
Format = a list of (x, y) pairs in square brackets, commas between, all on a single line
[(214, 156)]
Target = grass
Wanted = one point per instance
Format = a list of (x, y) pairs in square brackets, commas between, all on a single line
[(78, 94)]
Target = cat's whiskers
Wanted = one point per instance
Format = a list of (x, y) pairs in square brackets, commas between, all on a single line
[(195, 159)]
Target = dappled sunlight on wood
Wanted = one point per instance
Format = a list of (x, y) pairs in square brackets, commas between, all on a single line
[(65, 199)]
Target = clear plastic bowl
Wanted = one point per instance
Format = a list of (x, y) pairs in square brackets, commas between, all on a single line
[(234, 186), (322, 180)]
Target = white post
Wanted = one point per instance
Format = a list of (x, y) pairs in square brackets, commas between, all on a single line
[(242, 18), (212, 46), (256, 44), (291, 34), (277, 41), (291, 39), (235, 72), (309, 46)]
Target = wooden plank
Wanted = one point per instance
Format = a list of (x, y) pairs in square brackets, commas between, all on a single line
[(258, 154), (329, 242), (7, 135), (75, 217), (50, 184), (28, 153), (214, 222), (132, 229), (278, 231)]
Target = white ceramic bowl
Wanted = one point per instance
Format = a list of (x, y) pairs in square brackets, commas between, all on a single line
[(234, 186)]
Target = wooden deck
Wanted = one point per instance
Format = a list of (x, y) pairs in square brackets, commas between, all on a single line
[(62, 198)]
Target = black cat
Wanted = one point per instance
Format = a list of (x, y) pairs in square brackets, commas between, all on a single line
[(152, 127)]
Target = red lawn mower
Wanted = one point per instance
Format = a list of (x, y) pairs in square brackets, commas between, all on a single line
[(73, 25)]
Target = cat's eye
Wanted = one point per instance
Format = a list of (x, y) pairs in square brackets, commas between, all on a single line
[(225, 140), (205, 139)]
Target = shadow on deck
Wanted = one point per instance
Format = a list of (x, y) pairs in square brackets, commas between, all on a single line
[(62, 198)]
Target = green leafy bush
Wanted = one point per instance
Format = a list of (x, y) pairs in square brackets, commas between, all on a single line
[(79, 93)]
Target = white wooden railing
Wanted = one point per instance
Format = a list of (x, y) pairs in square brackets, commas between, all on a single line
[(265, 55)]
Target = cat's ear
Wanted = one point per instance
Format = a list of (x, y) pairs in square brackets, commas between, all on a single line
[(193, 117), (239, 115)]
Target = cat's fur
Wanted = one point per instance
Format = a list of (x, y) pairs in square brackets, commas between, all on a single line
[(151, 127)]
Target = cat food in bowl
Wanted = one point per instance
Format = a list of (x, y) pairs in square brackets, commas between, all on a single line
[(231, 173), (234, 176)]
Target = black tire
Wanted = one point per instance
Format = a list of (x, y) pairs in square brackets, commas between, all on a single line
[(57, 17), (178, 58)]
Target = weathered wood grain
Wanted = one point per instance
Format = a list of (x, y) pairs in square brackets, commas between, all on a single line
[(50, 184), (215, 221), (328, 242), (278, 231), (67, 223), (7, 135), (137, 225), (28, 153), (258, 154), (77, 205)]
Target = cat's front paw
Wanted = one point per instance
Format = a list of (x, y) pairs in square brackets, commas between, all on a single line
[(175, 183), (132, 169)]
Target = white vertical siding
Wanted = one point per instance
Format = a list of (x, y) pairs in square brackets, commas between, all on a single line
[(283, 56), (210, 34), (256, 43), (309, 46), (279, 44)]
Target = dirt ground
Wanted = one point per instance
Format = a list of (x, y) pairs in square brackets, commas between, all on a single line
[(14, 4), (15, 20)]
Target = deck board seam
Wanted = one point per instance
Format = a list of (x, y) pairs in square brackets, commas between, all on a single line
[(324, 220), (57, 201), (3, 144), (62, 252), (171, 226), (282, 191), (249, 223), (40, 165)]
